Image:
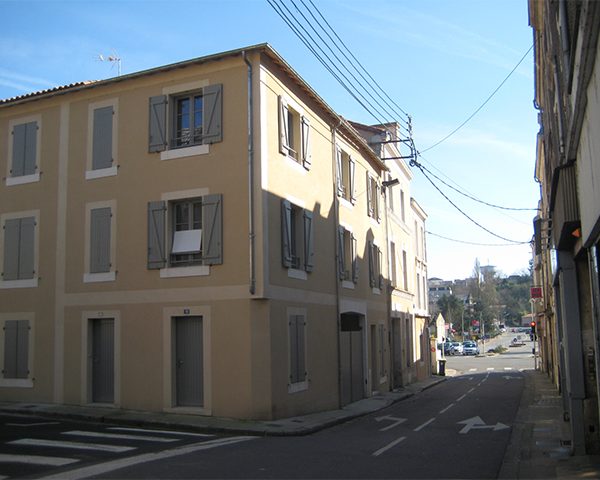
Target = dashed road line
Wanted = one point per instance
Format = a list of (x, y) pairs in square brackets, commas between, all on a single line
[(38, 424), (388, 446), (33, 442), (471, 390), (36, 460), (118, 436), (472, 369), (490, 369), (420, 427), (447, 408)]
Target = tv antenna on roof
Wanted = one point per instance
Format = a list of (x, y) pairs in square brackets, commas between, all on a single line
[(114, 59)]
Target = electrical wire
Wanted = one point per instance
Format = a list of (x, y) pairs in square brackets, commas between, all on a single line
[(473, 243), (481, 106)]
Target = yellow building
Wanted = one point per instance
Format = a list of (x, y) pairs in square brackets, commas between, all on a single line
[(207, 237)]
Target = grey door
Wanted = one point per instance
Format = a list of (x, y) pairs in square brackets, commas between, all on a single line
[(351, 351), (188, 359), (397, 348), (103, 360)]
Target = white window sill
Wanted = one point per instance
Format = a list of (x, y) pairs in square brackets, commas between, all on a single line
[(348, 284), (177, 272), (16, 382), (11, 181), (29, 283), (346, 203), (99, 277), (376, 291), (184, 152), (374, 221), (298, 387), (100, 173), (297, 274), (296, 164)]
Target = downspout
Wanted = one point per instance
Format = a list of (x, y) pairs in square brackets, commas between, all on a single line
[(251, 235), (336, 221)]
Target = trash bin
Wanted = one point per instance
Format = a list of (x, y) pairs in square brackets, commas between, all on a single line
[(442, 367)]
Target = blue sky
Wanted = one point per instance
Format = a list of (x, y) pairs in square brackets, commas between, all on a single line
[(438, 59)]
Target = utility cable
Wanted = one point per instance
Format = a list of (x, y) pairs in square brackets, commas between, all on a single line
[(481, 106), (472, 243)]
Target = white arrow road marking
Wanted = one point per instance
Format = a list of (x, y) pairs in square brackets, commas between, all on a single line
[(388, 446), (119, 436), (509, 377), (36, 460), (103, 468), (397, 421), (32, 442), (476, 423)]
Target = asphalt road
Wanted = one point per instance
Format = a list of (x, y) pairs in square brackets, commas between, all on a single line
[(457, 429)]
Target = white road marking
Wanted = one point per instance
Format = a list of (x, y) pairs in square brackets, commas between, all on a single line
[(74, 445), (119, 436), (476, 423), (507, 368), (388, 446), (166, 432), (2, 477), (461, 397), (397, 421), (36, 460), (39, 424), (447, 408), (103, 468), (472, 369), (490, 369), (471, 390), (420, 427)]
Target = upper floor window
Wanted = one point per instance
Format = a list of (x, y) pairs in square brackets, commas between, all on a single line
[(24, 151), (102, 133), (294, 133), (373, 196), (19, 251), (186, 119), (375, 275), (297, 237), (347, 245), (346, 168)]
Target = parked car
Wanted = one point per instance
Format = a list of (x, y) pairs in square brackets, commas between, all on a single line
[(448, 348), (470, 348), (457, 348)]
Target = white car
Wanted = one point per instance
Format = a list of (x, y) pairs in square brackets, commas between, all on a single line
[(470, 348), (457, 348)]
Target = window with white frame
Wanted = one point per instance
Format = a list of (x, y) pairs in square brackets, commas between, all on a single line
[(16, 349), (186, 119), (346, 168), (24, 150), (297, 350), (185, 232), (297, 237), (102, 139), (294, 132), (373, 196), (19, 251), (393, 268), (404, 271), (347, 244), (375, 275)]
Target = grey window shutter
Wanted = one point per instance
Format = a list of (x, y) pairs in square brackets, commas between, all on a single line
[(22, 367), (370, 206), (102, 138), (283, 126), (12, 235), (352, 173), (342, 253), (27, 248), (157, 130), (309, 241), (339, 164), (29, 160), (306, 141), (18, 153), (371, 265), (156, 235), (212, 229), (293, 333), (286, 233), (212, 113), (100, 220), (379, 273), (300, 337), (378, 201), (354, 259), (10, 349)]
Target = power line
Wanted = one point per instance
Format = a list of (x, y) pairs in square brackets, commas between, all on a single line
[(473, 243), (481, 106)]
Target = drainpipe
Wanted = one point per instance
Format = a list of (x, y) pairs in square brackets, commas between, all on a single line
[(251, 235), (336, 220)]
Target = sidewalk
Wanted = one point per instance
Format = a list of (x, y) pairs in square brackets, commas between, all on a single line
[(301, 425)]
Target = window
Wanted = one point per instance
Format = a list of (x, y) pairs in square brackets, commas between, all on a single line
[(100, 249), (419, 291), (16, 349), (373, 194), (186, 119), (346, 168), (393, 269), (297, 237), (297, 351), (348, 267), (185, 232), (294, 133), (405, 270), (102, 136), (24, 151), (19, 251), (375, 276), (402, 211)]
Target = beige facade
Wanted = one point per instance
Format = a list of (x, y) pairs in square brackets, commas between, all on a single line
[(207, 237)]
